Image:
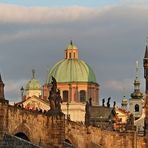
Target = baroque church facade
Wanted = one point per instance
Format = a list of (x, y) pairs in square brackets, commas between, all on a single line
[(76, 82)]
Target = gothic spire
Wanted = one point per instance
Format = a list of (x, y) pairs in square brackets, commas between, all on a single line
[(146, 50), (146, 53), (0, 78)]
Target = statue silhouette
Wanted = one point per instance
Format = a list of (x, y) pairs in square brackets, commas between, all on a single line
[(108, 102)]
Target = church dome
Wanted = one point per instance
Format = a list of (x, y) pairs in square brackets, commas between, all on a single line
[(71, 69), (33, 84)]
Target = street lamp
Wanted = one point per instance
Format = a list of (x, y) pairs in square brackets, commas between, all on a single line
[(101, 121), (67, 110), (22, 92)]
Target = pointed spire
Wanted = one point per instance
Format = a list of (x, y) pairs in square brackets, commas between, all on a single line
[(0, 78), (146, 53), (1, 89), (1, 81)]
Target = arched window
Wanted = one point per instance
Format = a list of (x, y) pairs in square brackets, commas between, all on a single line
[(65, 95), (22, 135), (66, 55), (82, 96), (74, 54), (136, 108), (69, 55)]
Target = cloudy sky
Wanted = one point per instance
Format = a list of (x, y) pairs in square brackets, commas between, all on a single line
[(110, 34)]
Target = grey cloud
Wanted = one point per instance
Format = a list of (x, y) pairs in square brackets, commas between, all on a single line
[(110, 39)]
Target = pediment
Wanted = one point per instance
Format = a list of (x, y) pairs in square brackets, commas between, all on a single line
[(34, 102)]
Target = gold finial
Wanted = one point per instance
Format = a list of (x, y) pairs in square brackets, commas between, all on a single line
[(33, 73), (71, 42)]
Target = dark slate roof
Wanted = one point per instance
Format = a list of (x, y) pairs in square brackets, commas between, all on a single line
[(100, 112)]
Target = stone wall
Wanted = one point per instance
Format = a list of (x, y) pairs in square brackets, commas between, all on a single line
[(41, 129), (87, 137)]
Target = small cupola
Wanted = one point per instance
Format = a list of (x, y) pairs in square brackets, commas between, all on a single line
[(71, 51), (33, 87)]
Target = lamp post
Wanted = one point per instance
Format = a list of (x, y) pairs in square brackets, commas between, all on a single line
[(67, 110), (69, 98), (101, 121), (22, 92)]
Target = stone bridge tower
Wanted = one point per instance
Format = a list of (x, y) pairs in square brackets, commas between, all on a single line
[(145, 64), (2, 96)]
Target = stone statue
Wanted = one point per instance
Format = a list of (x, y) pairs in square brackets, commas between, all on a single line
[(130, 123), (90, 101), (51, 99), (58, 100), (108, 102), (103, 101), (114, 105), (54, 98), (87, 107), (54, 84)]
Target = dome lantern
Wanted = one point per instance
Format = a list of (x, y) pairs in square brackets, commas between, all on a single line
[(71, 51)]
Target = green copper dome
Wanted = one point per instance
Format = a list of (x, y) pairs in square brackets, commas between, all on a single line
[(71, 70), (33, 84)]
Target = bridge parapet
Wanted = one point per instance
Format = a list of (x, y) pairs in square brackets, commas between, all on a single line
[(88, 136), (40, 128)]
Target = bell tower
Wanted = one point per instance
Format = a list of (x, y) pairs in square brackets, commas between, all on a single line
[(136, 100), (145, 64)]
